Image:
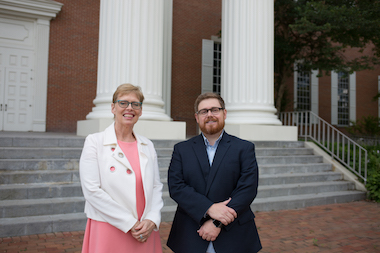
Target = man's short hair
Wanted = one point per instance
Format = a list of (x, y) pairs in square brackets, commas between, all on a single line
[(208, 95)]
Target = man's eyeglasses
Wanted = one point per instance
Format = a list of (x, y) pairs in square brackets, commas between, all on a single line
[(213, 110), (125, 104)]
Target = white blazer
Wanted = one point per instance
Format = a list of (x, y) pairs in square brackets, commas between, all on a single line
[(109, 184)]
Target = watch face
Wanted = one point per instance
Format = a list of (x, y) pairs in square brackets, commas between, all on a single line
[(217, 223)]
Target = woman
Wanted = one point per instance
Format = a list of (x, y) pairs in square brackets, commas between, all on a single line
[(121, 183)]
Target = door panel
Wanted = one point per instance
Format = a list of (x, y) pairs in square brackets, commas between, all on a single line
[(17, 111), (16, 89)]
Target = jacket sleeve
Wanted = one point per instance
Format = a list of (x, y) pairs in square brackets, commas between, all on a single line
[(156, 202), (100, 203), (246, 187), (188, 198)]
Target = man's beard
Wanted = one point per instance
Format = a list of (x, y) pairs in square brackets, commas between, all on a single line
[(212, 129)]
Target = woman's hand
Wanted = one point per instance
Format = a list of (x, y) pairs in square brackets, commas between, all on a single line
[(142, 230)]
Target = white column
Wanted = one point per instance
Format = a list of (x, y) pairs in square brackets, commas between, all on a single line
[(247, 61), (131, 51)]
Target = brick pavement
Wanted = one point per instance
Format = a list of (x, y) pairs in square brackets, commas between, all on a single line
[(336, 228)]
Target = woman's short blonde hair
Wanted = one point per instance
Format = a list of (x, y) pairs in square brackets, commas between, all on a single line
[(127, 88)]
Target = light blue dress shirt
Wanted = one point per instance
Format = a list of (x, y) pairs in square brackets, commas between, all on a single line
[(211, 150)]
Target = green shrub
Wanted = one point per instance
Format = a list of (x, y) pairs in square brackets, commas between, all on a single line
[(373, 173), (366, 126), (373, 166)]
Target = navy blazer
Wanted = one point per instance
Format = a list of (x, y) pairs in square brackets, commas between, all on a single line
[(195, 186)]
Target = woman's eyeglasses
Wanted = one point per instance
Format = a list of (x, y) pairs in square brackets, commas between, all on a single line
[(125, 104)]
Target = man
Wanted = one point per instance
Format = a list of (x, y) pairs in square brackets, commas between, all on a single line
[(213, 177)]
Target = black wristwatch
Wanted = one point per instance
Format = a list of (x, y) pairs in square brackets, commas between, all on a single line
[(217, 223)]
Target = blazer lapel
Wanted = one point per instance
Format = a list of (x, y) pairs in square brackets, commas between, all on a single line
[(200, 151), (223, 146)]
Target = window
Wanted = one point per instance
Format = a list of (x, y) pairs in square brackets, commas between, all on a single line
[(306, 91), (217, 68), (303, 91), (343, 99), (211, 65)]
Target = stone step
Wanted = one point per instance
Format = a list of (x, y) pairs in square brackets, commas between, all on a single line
[(164, 152), (38, 164), (294, 178), (35, 207), (267, 191), (40, 153), (273, 169), (43, 141), (279, 144), (42, 224), (57, 140), (288, 202), (305, 200), (265, 160), (293, 168), (42, 190), (283, 151), (302, 159), (288, 178), (167, 213), (272, 165), (39, 176), (55, 152)]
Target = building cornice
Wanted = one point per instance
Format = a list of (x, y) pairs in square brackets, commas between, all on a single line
[(46, 9)]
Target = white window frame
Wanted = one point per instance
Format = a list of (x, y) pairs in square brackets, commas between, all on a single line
[(207, 81), (334, 97), (314, 90)]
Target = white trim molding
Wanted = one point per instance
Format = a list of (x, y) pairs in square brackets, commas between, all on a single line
[(334, 97), (314, 89), (46, 9)]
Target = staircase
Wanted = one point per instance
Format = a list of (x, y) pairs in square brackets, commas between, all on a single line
[(40, 190)]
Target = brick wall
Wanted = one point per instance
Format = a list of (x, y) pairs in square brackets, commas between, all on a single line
[(72, 72)]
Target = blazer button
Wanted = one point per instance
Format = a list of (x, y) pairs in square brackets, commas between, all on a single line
[(121, 155), (129, 171), (112, 169)]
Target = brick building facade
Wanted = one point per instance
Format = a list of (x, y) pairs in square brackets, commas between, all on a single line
[(73, 54)]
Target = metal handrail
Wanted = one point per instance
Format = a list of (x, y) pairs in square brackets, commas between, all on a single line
[(338, 145)]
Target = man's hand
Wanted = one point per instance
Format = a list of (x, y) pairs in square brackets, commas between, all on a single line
[(222, 212), (208, 231)]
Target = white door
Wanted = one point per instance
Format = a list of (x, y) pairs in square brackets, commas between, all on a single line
[(16, 89)]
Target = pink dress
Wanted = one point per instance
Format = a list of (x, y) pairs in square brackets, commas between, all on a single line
[(101, 237)]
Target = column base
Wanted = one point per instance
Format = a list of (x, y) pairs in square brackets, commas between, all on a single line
[(155, 130), (263, 132)]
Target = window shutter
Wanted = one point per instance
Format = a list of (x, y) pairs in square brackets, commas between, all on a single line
[(314, 92), (334, 98), (353, 97), (207, 65)]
